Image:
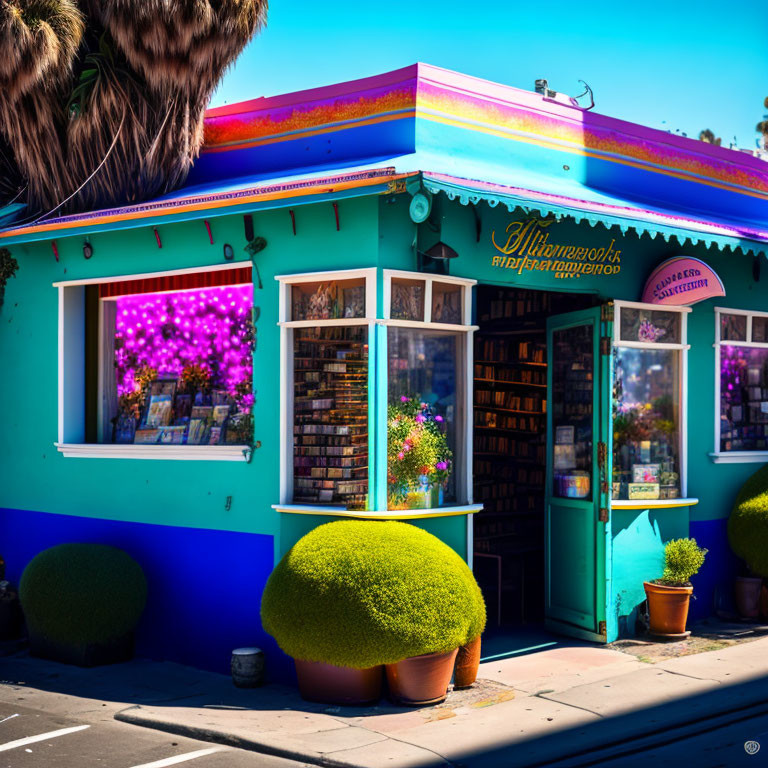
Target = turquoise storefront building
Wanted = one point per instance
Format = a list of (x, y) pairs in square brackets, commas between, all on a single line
[(579, 299)]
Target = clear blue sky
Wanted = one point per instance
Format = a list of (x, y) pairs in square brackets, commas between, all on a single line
[(674, 64)]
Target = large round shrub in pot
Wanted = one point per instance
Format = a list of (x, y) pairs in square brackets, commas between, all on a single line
[(748, 536), (82, 603), (360, 594)]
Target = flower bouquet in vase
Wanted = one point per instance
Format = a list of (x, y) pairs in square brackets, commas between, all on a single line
[(418, 456)]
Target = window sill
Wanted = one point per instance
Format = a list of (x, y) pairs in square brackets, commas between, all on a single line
[(652, 503), (385, 514), (739, 457), (167, 452)]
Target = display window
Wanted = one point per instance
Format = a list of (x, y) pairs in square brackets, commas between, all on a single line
[(158, 365), (375, 405), (182, 363), (428, 342), (648, 409), (741, 384)]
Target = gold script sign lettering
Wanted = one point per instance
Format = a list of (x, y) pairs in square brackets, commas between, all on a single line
[(528, 248)]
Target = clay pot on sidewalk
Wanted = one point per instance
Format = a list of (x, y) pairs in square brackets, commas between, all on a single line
[(667, 609), (747, 594), (329, 684), (467, 663), (421, 680)]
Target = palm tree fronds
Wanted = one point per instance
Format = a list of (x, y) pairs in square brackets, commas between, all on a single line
[(39, 40)]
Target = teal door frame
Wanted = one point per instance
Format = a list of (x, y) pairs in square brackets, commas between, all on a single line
[(578, 530)]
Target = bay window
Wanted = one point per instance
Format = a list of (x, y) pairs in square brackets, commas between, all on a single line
[(375, 404)]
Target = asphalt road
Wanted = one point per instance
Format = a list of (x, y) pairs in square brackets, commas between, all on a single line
[(106, 743), (724, 747)]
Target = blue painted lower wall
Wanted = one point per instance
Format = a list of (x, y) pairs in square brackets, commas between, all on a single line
[(713, 585), (204, 585)]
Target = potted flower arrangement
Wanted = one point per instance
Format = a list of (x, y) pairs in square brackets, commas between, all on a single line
[(418, 456), (81, 603), (355, 599), (669, 596), (748, 537)]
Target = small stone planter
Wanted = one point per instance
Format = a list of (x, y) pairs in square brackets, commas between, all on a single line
[(247, 666)]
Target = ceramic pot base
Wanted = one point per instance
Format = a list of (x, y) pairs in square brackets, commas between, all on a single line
[(671, 636)]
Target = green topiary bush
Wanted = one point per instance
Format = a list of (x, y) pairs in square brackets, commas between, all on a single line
[(683, 559), (358, 593), (81, 594), (748, 523)]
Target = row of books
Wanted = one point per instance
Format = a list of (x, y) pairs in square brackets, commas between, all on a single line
[(496, 420), (503, 351), (505, 398), (500, 374)]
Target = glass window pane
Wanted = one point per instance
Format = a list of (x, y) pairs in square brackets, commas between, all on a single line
[(424, 448), (183, 367), (646, 424), (743, 399), (572, 407), (733, 327), (328, 300), (759, 330), (330, 427), (447, 303), (407, 299), (649, 325)]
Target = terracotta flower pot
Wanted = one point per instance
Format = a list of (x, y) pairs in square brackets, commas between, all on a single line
[(329, 684), (421, 680), (467, 663), (747, 593), (667, 608)]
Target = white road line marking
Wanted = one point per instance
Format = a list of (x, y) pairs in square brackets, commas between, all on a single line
[(41, 737), (10, 717), (181, 758)]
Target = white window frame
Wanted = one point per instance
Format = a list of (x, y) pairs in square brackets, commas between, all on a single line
[(682, 346), (464, 484), (719, 456), (71, 380), (287, 327)]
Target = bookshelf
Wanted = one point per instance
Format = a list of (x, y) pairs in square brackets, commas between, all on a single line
[(330, 431), (510, 425)]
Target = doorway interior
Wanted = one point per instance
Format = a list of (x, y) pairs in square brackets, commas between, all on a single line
[(510, 444)]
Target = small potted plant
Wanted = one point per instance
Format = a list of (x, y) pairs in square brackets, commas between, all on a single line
[(82, 603), (669, 596), (354, 598), (418, 457), (748, 537)]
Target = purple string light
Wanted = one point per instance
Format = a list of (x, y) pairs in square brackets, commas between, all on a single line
[(169, 331)]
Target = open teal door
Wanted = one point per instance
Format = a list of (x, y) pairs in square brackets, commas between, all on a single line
[(579, 374)]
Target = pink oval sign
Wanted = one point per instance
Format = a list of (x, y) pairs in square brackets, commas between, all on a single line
[(682, 280)]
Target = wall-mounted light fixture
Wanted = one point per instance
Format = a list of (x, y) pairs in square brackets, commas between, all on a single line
[(229, 252), (87, 250), (420, 207)]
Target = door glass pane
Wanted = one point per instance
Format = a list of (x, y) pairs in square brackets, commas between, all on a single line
[(446, 303), (646, 424), (424, 450), (649, 325), (733, 327), (743, 399), (407, 299), (572, 407)]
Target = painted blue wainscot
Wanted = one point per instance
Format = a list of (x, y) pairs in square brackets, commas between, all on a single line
[(204, 585), (639, 535)]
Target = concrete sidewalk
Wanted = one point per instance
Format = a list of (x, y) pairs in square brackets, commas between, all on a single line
[(561, 707)]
